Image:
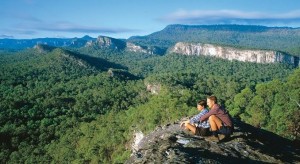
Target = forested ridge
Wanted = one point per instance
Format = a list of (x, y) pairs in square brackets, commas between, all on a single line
[(83, 105), (283, 39)]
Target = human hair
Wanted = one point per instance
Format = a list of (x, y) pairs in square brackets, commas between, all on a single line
[(213, 98), (202, 103)]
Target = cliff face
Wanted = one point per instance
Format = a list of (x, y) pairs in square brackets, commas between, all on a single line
[(134, 48), (42, 48), (107, 42), (171, 144), (117, 44), (229, 53), (284, 39), (144, 49)]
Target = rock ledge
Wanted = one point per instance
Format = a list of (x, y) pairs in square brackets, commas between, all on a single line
[(171, 144)]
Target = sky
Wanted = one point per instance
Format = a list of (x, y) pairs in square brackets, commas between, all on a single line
[(26, 19)]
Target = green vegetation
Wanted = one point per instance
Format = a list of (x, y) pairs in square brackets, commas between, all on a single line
[(273, 106), (64, 106), (44, 96), (242, 36)]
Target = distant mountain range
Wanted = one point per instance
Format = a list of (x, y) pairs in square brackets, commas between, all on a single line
[(243, 36), (18, 44), (102, 42), (283, 42), (246, 36)]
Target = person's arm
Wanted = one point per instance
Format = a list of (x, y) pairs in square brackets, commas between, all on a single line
[(196, 118), (193, 120), (211, 112)]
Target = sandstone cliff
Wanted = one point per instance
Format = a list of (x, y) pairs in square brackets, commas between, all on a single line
[(230, 53)]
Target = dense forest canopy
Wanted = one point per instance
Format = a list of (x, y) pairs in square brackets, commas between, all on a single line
[(82, 105)]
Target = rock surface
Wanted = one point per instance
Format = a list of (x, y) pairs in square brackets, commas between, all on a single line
[(230, 53), (171, 144), (108, 42), (43, 48)]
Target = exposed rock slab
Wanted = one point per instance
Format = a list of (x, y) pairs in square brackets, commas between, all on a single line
[(171, 144)]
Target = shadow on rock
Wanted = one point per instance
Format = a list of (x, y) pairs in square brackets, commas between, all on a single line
[(171, 144), (269, 143)]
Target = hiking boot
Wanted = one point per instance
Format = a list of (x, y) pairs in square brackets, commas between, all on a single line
[(221, 136), (212, 138)]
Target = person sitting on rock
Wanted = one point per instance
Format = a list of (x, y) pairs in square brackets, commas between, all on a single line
[(194, 125), (219, 119)]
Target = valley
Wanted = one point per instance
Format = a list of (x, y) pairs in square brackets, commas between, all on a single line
[(81, 100)]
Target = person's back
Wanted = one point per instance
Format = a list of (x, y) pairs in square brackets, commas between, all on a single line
[(219, 119), (221, 113)]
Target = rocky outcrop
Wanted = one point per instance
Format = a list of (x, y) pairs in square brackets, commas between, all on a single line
[(171, 144), (230, 53), (42, 48), (153, 88), (135, 48), (144, 49), (78, 43), (117, 44), (107, 42)]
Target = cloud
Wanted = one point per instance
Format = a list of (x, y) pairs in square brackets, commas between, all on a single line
[(29, 25), (21, 17), (74, 28), (40, 28), (34, 28), (231, 17), (6, 37), (12, 32)]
